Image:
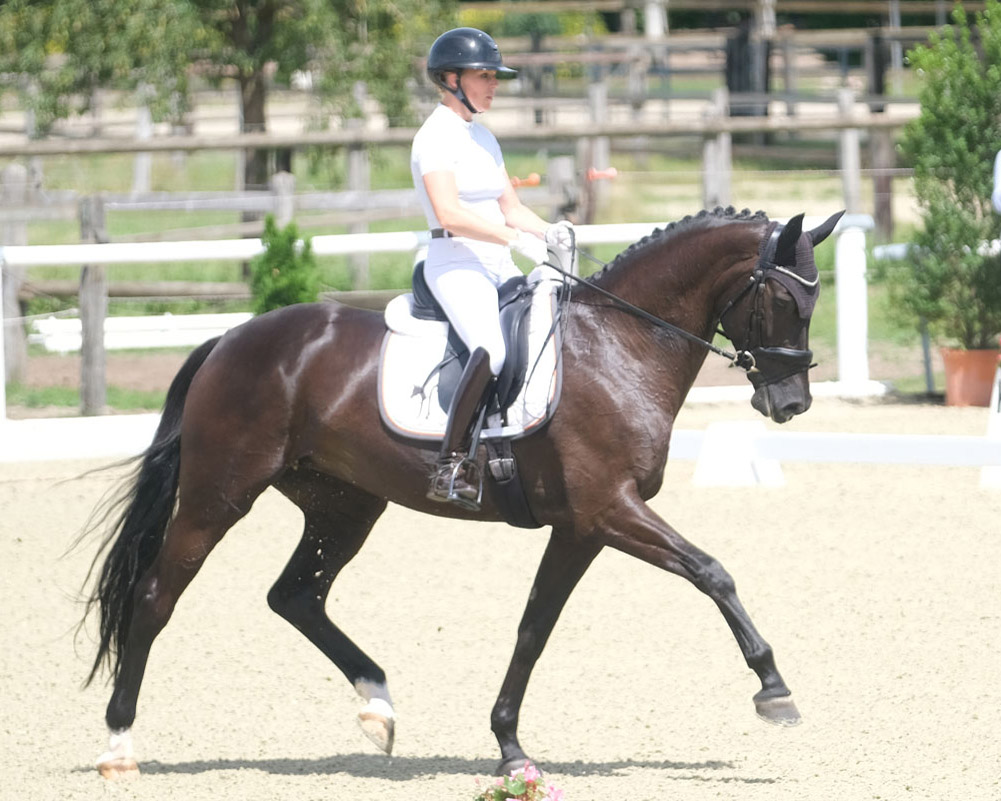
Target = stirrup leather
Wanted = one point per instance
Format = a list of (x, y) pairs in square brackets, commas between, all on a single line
[(457, 480)]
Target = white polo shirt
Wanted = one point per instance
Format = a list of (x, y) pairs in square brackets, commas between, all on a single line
[(446, 142)]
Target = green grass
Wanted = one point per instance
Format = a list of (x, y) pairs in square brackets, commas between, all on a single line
[(117, 397)]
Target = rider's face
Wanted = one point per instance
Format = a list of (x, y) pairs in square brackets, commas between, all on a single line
[(479, 87)]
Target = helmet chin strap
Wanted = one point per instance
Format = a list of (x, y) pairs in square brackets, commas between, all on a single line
[(460, 94)]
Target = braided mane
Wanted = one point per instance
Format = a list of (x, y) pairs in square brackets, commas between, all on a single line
[(704, 219)]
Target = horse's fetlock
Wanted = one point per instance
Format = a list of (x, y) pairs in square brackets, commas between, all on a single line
[(503, 719)]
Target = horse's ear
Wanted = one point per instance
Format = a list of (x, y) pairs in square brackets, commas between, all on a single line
[(785, 248), (822, 231)]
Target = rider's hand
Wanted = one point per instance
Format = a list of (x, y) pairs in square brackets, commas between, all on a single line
[(559, 236), (531, 247)]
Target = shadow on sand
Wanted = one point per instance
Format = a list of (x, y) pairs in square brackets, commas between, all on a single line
[(408, 768)]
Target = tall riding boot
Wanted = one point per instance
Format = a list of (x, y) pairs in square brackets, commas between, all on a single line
[(456, 478)]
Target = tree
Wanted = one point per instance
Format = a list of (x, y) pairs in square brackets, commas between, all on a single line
[(69, 48), (948, 280), (60, 52)]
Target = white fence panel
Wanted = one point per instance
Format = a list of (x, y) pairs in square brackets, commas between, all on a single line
[(150, 331)]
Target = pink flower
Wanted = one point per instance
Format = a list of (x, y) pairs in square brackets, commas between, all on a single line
[(531, 772), (554, 794)]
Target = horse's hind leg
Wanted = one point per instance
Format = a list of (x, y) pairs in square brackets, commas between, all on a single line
[(201, 520), (338, 518)]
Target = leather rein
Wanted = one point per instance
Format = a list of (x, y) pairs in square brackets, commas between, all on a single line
[(753, 357)]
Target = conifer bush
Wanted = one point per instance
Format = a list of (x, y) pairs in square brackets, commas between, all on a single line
[(284, 273)]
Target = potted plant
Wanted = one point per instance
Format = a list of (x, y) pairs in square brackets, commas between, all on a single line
[(951, 279)]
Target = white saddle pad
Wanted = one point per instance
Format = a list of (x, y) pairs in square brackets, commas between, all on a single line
[(412, 349)]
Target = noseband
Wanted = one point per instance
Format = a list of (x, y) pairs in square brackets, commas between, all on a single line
[(766, 365)]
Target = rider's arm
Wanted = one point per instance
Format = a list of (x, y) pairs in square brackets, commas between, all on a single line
[(456, 218)]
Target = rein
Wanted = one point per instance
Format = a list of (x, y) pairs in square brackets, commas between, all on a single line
[(741, 358)]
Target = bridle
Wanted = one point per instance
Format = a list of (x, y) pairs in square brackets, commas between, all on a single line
[(764, 364), (755, 358)]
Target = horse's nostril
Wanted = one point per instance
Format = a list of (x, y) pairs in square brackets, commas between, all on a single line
[(790, 410)]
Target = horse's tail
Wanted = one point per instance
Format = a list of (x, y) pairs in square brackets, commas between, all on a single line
[(141, 510)]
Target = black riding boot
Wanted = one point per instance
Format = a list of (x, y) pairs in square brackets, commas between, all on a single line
[(456, 477)]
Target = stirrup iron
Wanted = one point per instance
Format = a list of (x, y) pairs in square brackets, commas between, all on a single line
[(455, 481)]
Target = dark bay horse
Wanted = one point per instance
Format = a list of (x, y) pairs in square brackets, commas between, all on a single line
[(289, 400)]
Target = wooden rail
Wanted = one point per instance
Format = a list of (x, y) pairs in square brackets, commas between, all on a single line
[(404, 136)]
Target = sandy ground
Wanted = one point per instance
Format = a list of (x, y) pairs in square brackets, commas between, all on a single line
[(877, 586)]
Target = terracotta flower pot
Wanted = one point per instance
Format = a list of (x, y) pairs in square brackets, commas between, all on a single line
[(969, 376)]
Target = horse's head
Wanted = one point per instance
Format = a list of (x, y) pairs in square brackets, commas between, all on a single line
[(768, 320)]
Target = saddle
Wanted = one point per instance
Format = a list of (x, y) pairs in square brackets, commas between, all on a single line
[(422, 359)]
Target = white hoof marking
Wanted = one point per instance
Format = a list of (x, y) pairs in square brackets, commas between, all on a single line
[(378, 722)]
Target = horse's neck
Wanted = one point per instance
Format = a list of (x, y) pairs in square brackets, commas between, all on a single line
[(680, 282)]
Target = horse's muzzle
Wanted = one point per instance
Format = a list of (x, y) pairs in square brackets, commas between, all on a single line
[(784, 400)]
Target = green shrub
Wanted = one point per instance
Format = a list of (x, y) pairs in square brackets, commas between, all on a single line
[(284, 273), (947, 279)]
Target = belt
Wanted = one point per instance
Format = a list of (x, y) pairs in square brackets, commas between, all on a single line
[(440, 233)]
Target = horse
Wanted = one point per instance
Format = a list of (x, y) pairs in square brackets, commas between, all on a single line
[(288, 400)]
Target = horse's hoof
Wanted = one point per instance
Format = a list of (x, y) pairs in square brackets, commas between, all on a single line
[(509, 766), (780, 710), (378, 723), (118, 768)]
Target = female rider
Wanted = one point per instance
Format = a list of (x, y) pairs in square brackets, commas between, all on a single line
[(475, 219)]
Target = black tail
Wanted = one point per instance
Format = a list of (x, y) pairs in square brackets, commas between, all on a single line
[(141, 512)]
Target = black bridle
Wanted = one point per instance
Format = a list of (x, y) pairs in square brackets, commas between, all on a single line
[(766, 365), (755, 358)]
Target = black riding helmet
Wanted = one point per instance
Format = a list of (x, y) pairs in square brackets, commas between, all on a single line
[(464, 49)]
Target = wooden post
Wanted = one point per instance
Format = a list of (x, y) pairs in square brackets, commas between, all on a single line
[(896, 48), (31, 132), (359, 180), (597, 93), (941, 15), (142, 169), (560, 178), (13, 192), (876, 57), (93, 311), (882, 157), (636, 88), (849, 159), (655, 19), (717, 159), (789, 74), (283, 188)]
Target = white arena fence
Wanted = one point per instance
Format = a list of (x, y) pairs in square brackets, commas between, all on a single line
[(726, 453)]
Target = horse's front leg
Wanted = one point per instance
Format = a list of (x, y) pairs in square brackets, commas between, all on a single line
[(637, 530), (564, 562)]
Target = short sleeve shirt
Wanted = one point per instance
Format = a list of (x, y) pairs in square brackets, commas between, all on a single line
[(448, 143)]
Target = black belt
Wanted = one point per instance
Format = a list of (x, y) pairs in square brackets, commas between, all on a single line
[(440, 233)]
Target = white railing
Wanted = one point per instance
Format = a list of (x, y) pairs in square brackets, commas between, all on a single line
[(853, 365)]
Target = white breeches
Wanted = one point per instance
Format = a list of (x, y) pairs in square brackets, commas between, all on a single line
[(468, 294)]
